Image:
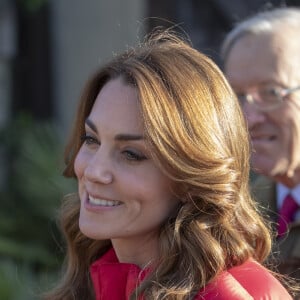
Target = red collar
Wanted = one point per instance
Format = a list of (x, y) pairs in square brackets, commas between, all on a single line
[(114, 280)]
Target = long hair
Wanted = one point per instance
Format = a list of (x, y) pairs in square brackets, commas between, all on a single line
[(198, 136)]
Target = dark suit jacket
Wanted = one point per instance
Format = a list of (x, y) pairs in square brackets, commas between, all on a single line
[(287, 249)]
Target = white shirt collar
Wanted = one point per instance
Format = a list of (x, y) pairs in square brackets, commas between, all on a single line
[(282, 191)]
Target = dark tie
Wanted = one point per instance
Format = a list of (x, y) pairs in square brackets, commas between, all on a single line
[(286, 214)]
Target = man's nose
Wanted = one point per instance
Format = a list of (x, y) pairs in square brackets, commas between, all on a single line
[(252, 114), (99, 168)]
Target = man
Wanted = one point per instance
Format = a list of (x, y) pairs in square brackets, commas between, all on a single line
[(262, 62)]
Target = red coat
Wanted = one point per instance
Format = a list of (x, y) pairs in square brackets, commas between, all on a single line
[(116, 281)]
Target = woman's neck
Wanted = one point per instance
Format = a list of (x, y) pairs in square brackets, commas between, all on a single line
[(142, 252)]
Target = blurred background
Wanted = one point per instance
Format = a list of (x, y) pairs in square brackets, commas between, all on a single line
[(48, 49)]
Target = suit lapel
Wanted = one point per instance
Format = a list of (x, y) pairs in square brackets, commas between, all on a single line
[(264, 192)]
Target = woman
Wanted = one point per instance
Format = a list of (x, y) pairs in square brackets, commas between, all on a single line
[(161, 155)]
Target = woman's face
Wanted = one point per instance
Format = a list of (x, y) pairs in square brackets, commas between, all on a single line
[(124, 196)]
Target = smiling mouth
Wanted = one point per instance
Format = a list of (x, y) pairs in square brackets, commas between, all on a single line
[(103, 202)]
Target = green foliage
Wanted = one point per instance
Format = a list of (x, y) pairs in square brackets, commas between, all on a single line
[(20, 282), (30, 243)]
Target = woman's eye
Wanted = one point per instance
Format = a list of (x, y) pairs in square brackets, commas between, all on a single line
[(89, 140), (133, 156)]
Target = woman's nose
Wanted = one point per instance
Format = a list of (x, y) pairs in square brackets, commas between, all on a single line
[(99, 168)]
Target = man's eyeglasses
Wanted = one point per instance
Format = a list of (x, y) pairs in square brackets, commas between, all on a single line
[(266, 98)]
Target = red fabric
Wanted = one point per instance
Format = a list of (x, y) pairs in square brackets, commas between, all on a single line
[(116, 281), (113, 280), (286, 214)]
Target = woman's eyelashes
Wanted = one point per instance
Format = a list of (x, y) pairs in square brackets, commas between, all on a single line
[(128, 154), (89, 139), (133, 155)]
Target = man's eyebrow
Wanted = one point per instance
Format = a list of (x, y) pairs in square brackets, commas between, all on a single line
[(89, 123)]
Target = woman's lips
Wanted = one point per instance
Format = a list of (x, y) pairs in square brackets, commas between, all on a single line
[(102, 202)]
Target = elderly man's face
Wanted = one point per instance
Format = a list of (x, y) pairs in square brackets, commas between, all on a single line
[(256, 62)]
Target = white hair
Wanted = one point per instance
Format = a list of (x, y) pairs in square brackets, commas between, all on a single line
[(263, 22)]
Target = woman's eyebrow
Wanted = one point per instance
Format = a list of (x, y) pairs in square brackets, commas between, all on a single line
[(118, 137), (89, 123), (128, 137)]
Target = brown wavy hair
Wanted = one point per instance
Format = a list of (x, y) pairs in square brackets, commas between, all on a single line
[(196, 129)]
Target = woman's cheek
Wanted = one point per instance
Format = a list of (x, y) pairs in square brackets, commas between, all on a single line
[(79, 164)]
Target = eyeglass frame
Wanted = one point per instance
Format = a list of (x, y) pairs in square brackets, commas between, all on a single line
[(281, 95)]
